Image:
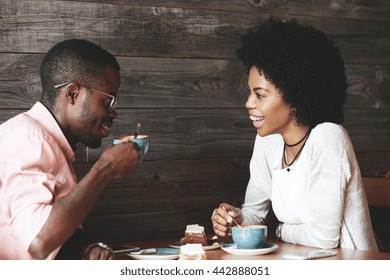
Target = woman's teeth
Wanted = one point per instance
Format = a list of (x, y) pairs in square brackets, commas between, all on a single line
[(256, 118)]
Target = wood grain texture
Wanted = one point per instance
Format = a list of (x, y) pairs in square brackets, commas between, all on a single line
[(183, 83), (376, 127), (131, 30), (249, 6), (122, 29), (190, 183), (146, 82), (187, 133), (377, 191), (227, 133), (368, 87), (146, 226), (207, 133), (374, 164), (361, 9)]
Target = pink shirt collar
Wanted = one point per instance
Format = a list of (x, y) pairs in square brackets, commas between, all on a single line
[(40, 113)]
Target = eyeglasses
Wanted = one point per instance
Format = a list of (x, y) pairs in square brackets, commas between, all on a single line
[(113, 102)]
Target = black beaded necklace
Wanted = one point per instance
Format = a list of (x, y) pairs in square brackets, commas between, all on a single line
[(293, 145)]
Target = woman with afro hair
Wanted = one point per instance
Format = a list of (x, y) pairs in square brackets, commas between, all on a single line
[(303, 163)]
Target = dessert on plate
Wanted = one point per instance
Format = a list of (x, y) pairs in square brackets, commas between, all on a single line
[(194, 234)]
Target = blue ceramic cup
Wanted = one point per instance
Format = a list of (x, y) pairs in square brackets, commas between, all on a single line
[(142, 141), (249, 237)]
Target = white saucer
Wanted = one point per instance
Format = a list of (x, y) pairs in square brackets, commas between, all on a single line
[(232, 249)]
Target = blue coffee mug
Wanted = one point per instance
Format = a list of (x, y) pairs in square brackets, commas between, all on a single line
[(142, 141), (250, 236)]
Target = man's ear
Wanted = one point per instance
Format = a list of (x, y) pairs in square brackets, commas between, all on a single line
[(72, 92)]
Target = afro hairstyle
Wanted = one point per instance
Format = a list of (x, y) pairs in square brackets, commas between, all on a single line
[(303, 64)]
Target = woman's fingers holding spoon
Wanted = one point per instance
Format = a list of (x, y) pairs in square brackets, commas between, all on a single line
[(229, 217)]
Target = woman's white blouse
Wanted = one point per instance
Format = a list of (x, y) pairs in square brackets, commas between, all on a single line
[(289, 192), (321, 201)]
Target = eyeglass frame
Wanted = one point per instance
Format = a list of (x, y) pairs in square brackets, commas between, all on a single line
[(114, 99)]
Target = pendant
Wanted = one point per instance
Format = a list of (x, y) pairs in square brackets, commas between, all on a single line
[(288, 169)]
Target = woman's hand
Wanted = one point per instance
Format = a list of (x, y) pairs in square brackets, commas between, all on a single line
[(222, 218)]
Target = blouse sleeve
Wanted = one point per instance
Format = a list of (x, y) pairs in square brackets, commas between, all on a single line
[(329, 173), (257, 198)]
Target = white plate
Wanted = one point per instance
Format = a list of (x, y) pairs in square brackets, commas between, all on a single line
[(156, 254), (154, 257), (206, 247), (232, 249)]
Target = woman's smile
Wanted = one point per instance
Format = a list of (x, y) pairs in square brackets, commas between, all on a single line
[(265, 105)]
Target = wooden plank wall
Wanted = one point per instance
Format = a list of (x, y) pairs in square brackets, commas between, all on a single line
[(181, 80)]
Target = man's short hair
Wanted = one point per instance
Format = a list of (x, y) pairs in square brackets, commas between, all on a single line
[(73, 60)]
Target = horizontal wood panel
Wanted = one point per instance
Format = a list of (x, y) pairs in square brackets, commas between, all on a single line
[(182, 83), (155, 196), (375, 164), (146, 226), (377, 191), (211, 183), (208, 133), (274, 6), (122, 29), (146, 82), (372, 164), (369, 10), (179, 171), (164, 222), (368, 86), (353, 38), (183, 134), (153, 186), (226, 133), (129, 30), (369, 129)]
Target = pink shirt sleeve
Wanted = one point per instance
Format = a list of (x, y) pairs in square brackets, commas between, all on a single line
[(33, 178), (28, 195)]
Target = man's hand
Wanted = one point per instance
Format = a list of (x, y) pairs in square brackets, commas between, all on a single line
[(98, 252), (121, 158)]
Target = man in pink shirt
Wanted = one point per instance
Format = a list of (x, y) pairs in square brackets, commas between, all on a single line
[(42, 205)]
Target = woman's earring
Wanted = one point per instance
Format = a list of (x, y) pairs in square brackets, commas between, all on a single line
[(294, 111)]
